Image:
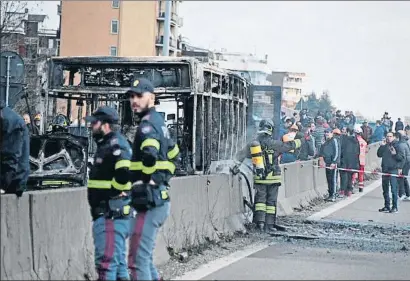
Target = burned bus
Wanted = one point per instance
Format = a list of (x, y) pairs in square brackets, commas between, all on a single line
[(205, 107)]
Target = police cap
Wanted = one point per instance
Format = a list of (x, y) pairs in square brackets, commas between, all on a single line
[(105, 114), (140, 86)]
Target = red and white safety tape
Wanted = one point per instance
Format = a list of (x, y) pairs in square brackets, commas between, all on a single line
[(366, 172)]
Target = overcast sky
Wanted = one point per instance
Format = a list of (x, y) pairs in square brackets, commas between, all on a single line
[(359, 51)]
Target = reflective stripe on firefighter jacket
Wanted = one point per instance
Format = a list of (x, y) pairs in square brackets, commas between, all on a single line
[(109, 175), (262, 207), (154, 153), (272, 149), (363, 149)]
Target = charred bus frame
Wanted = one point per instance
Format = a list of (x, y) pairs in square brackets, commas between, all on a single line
[(210, 103)]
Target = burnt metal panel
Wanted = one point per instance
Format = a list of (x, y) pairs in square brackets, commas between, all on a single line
[(214, 101), (277, 102)]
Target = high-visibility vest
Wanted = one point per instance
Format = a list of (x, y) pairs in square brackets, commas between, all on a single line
[(363, 149)]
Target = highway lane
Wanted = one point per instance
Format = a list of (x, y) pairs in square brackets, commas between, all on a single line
[(353, 242)]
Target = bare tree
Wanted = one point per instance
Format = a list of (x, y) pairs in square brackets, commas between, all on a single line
[(12, 16), (18, 35)]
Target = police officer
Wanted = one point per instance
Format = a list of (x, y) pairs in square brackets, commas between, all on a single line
[(265, 152), (152, 167), (14, 152), (108, 195)]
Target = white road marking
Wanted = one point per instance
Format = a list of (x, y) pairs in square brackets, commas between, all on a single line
[(341, 204), (223, 262)]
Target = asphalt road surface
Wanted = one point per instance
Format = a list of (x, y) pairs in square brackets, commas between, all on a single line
[(349, 240)]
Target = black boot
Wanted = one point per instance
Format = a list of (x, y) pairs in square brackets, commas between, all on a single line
[(270, 228), (261, 226), (280, 227)]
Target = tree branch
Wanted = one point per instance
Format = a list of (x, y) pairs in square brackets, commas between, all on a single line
[(12, 14)]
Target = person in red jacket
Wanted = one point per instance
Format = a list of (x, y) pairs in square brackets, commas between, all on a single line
[(362, 158)]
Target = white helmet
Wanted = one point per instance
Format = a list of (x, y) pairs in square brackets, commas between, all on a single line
[(358, 129)]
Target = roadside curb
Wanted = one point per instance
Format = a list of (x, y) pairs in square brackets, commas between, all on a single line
[(341, 204)]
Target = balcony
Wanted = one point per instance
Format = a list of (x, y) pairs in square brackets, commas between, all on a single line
[(11, 29), (48, 52), (173, 43), (175, 19), (31, 40)]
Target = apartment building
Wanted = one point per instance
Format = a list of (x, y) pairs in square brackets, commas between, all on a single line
[(24, 33), (118, 28), (255, 69), (292, 86)]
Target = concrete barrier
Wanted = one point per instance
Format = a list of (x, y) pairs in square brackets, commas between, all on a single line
[(16, 243), (372, 161), (47, 234), (302, 182), (61, 234), (202, 208)]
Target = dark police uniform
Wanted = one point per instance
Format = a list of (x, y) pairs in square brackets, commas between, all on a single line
[(108, 196), (153, 154), (267, 188), (14, 153)]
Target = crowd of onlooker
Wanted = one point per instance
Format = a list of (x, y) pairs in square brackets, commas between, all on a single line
[(340, 143), (314, 127)]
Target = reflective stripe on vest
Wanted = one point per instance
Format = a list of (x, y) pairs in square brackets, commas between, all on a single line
[(173, 152), (150, 142), (271, 210), (107, 184), (122, 164), (260, 207), (159, 165), (270, 179)]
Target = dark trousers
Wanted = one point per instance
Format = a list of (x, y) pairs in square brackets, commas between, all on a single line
[(346, 181), (266, 198), (331, 176), (388, 181), (404, 182)]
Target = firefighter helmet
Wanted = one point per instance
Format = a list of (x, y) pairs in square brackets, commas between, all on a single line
[(59, 123), (266, 126), (358, 129)]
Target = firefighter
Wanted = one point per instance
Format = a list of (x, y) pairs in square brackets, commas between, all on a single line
[(265, 152), (108, 195), (37, 120), (153, 164), (59, 124)]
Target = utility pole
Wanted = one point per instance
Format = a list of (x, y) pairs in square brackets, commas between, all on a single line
[(8, 81), (167, 28)]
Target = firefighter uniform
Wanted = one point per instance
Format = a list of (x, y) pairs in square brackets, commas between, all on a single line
[(108, 196), (152, 166), (267, 182)]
